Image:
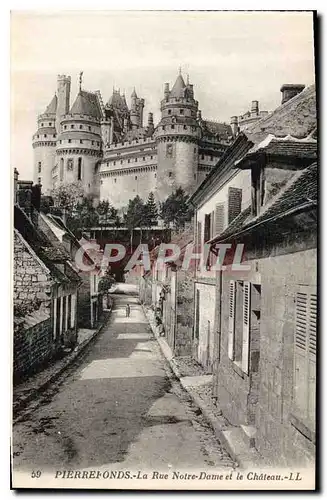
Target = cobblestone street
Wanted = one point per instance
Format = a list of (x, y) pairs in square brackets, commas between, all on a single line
[(119, 407)]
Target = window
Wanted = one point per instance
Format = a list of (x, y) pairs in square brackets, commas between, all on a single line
[(143, 158), (115, 180), (135, 159), (81, 141), (42, 124), (54, 135), (172, 127), (114, 163), (89, 128), (234, 203), (163, 127), (181, 111), (39, 180), (80, 127), (65, 127), (194, 150), (39, 167), (45, 135), (169, 150), (69, 141), (50, 124), (121, 162), (170, 174), (202, 157), (151, 157), (185, 127), (101, 182), (61, 173), (128, 161), (239, 314), (155, 176), (169, 111), (98, 144), (70, 164), (79, 169), (72, 126), (211, 158), (304, 382), (92, 143), (136, 177), (219, 218)]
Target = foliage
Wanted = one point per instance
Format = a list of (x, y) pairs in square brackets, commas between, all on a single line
[(46, 203), (135, 213), (150, 212), (106, 282), (67, 196), (175, 210), (22, 310)]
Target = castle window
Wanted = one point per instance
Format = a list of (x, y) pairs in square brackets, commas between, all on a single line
[(92, 143), (151, 157), (115, 180), (69, 141), (114, 163), (135, 159), (185, 127), (89, 128), (39, 167), (202, 157), (60, 141), (170, 174), (79, 169), (155, 176), (143, 158), (39, 180), (80, 127), (54, 135), (194, 150), (195, 177), (98, 144), (65, 127), (169, 111), (81, 141), (181, 111), (121, 162), (128, 161), (101, 182), (37, 136), (42, 124), (50, 124), (136, 177), (169, 150), (163, 127), (72, 126), (172, 127), (45, 135), (61, 169)]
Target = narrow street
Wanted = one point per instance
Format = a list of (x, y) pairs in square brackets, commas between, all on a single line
[(118, 408)]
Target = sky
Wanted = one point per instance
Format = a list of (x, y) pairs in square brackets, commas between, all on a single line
[(232, 58)]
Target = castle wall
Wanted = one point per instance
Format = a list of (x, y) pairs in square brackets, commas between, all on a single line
[(46, 155)]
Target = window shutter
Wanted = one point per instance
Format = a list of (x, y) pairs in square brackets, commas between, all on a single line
[(231, 314), (199, 235), (219, 218), (300, 355), (312, 358), (207, 226), (234, 203), (246, 326)]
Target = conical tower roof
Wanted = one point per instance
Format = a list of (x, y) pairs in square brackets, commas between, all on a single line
[(52, 107), (178, 87), (86, 103)]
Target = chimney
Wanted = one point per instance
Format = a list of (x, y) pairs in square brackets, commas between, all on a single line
[(234, 125), (290, 90), (255, 108), (150, 120)]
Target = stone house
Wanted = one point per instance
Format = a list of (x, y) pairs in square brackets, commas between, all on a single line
[(265, 370), (89, 298), (45, 297)]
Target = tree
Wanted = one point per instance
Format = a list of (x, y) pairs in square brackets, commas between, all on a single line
[(150, 213), (134, 216), (106, 283), (67, 196), (175, 210)]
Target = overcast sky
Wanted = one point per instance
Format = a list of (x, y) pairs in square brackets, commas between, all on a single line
[(232, 58)]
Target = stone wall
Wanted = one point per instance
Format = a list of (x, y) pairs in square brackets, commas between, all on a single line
[(185, 313), (31, 278), (205, 345), (277, 439), (32, 347)]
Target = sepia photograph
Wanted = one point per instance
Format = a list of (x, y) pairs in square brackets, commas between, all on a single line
[(164, 170)]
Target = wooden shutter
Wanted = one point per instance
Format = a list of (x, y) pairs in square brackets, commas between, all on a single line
[(234, 203), (305, 353), (246, 326), (199, 235), (207, 227), (231, 315), (219, 218)]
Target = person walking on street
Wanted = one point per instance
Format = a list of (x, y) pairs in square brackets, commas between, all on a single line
[(128, 310)]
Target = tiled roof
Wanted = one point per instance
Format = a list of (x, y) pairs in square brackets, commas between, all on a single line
[(86, 103), (178, 87), (52, 107), (117, 101), (296, 117), (300, 193), (223, 130)]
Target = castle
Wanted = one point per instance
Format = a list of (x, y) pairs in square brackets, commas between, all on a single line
[(115, 156)]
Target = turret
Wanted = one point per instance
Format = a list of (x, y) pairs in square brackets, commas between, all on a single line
[(63, 92), (136, 114), (177, 136), (234, 125)]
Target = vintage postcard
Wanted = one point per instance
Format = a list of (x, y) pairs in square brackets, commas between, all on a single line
[(164, 170)]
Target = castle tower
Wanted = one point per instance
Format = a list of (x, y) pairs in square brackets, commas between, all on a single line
[(44, 146), (136, 114), (177, 136), (63, 91), (79, 145)]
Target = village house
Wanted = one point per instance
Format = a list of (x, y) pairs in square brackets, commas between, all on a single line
[(265, 339), (45, 295), (89, 298)]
